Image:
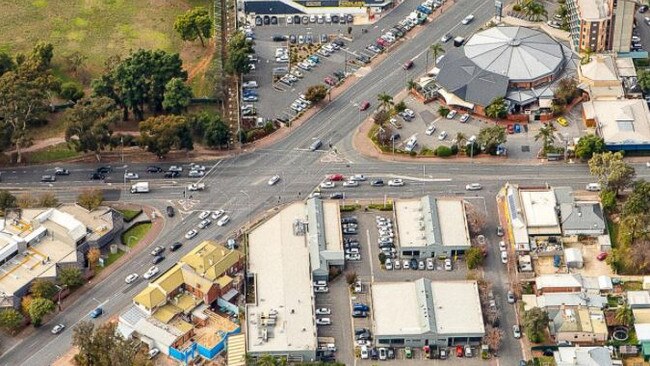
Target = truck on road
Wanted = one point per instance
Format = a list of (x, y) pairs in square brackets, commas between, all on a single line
[(140, 187)]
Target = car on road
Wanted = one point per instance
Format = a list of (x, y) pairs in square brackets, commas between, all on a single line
[(274, 179), (562, 121), (516, 331), (171, 174), (204, 223), (131, 175), (196, 174), (61, 171), (58, 328), (104, 170), (448, 266), (502, 246), (452, 113), (511, 297), (464, 118), (351, 183), (442, 136), (364, 105), (337, 196), (430, 130), (468, 19), (593, 187), (377, 183), (499, 230), (217, 214), (131, 278), (204, 215), (154, 169), (446, 38), (397, 182), (48, 178), (96, 313), (151, 272), (473, 187), (323, 311), (157, 250), (157, 259), (408, 65), (328, 184), (223, 221), (190, 234), (504, 257), (176, 246), (170, 211)]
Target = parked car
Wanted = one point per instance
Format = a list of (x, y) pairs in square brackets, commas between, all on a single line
[(448, 266), (464, 118), (516, 331), (430, 130), (323, 311), (499, 230), (323, 321), (452, 114), (562, 121), (601, 256), (511, 297), (504, 257)]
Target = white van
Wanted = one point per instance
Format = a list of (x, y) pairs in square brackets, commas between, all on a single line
[(411, 144), (593, 187)]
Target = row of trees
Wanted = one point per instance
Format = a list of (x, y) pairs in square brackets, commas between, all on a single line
[(532, 9)]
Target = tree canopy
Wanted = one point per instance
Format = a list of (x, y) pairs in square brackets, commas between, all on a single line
[(491, 137), (88, 124), (497, 109), (238, 49), (589, 145), (177, 96), (161, 134), (316, 93), (535, 322), (195, 23), (104, 346), (612, 172)]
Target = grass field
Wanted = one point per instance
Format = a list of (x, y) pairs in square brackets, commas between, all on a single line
[(53, 153), (135, 233), (96, 28)]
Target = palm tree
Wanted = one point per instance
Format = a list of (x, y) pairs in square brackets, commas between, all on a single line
[(546, 135), (535, 11), (266, 360), (624, 315), (435, 49), (460, 140), (385, 101), (410, 85)]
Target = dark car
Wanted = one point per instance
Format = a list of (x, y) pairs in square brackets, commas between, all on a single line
[(349, 220), (407, 65), (157, 259), (292, 38), (377, 183), (336, 196), (174, 247), (172, 174), (48, 178), (170, 211), (364, 105), (338, 42), (97, 176), (96, 313), (279, 38), (104, 169), (335, 18), (360, 306), (413, 263), (296, 19), (258, 20), (339, 74), (154, 169), (374, 354), (359, 314)]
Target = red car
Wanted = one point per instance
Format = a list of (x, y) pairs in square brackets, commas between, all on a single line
[(336, 177), (511, 128), (601, 256), (364, 105), (459, 351), (329, 81), (407, 65), (382, 42)]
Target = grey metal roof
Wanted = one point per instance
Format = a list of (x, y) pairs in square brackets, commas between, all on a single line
[(519, 53), (461, 76)]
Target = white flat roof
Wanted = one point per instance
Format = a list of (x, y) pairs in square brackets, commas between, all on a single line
[(593, 9), (387, 297), (620, 122), (280, 261), (457, 307), (409, 218), (453, 222), (332, 219), (539, 208)]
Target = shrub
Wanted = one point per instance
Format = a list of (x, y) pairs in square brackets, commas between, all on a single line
[(516, 7), (443, 151)]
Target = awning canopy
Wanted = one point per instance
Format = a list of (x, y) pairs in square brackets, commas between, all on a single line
[(452, 99)]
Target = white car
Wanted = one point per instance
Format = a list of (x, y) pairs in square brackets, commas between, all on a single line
[(502, 246), (448, 266), (274, 179), (58, 329), (397, 182), (473, 187), (430, 130), (328, 184), (452, 114), (175, 168), (131, 278), (464, 118), (321, 289), (153, 353), (131, 175), (204, 223), (504, 257), (204, 215), (593, 187), (358, 178), (468, 19), (217, 214), (151, 272), (250, 84), (196, 173), (190, 234), (364, 353), (442, 136), (323, 311), (223, 221), (430, 265), (351, 183), (354, 257), (200, 168), (516, 331), (388, 264)]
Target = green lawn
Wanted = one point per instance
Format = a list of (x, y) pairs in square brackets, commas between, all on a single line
[(96, 28), (129, 214), (136, 233), (53, 153)]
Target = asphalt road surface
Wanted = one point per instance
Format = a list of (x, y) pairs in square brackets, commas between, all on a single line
[(239, 186)]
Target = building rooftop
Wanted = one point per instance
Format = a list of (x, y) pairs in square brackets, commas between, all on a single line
[(518, 53), (620, 122), (333, 233), (578, 320), (582, 356), (325, 238), (600, 68), (638, 299), (453, 223), (539, 208), (558, 280), (592, 10), (282, 318), (98, 222), (410, 219), (457, 307)]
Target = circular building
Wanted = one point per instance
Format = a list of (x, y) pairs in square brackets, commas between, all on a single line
[(526, 56)]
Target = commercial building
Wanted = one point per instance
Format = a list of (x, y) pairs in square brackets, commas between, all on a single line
[(37, 243), (281, 8), (443, 313), (430, 227), (607, 77), (173, 313), (601, 25), (325, 239), (517, 63), (582, 356), (623, 124)]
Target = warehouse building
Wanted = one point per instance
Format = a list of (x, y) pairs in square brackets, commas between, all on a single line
[(443, 313), (424, 232)]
